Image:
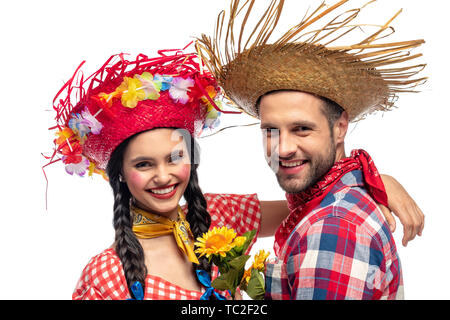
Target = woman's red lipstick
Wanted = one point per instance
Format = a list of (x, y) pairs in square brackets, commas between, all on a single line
[(167, 195)]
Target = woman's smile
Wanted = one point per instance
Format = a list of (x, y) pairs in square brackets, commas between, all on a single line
[(166, 192)]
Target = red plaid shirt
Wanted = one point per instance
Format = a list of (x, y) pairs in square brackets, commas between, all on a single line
[(103, 277), (343, 249)]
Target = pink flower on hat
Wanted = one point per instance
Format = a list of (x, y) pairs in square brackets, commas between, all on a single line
[(78, 168), (179, 89), (90, 121)]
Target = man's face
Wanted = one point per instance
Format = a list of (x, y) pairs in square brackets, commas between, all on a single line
[(299, 143)]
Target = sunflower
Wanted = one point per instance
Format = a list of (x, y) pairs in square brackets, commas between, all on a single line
[(239, 241), (247, 275), (258, 264), (217, 241), (260, 259)]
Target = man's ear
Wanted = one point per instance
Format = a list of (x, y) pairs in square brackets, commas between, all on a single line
[(340, 128)]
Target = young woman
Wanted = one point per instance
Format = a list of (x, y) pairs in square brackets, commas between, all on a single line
[(134, 122)]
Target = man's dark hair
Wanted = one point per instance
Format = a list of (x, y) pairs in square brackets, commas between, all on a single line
[(330, 109)]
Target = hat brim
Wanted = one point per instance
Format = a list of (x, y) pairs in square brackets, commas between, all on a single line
[(362, 77), (332, 74)]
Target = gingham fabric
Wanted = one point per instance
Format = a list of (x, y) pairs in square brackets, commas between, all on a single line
[(341, 250), (103, 277)]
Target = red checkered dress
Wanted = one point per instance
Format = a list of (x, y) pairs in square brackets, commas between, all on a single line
[(103, 277)]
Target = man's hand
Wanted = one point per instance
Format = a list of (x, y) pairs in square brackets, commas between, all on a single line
[(404, 207)]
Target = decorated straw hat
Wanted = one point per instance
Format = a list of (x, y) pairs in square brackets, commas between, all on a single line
[(361, 77), (124, 97)]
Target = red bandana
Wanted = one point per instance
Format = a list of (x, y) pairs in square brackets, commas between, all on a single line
[(300, 204)]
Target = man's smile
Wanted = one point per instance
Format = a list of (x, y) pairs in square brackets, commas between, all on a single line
[(292, 167)]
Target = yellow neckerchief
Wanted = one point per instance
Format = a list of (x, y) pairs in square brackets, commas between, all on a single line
[(147, 225)]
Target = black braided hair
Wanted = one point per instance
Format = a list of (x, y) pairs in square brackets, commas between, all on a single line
[(128, 248), (197, 216), (127, 245)]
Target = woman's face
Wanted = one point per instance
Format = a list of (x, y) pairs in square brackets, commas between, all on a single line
[(156, 169)]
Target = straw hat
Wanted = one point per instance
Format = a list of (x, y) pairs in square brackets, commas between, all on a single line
[(359, 77)]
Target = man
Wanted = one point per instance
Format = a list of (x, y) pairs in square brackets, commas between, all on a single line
[(342, 248), (334, 244)]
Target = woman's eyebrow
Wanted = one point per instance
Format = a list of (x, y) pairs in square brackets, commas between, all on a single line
[(142, 158), (146, 158)]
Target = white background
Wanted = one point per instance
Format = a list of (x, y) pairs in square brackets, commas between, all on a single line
[(42, 252)]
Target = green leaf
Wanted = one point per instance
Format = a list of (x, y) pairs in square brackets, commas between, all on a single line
[(238, 263), (221, 263), (222, 282), (227, 281), (231, 279), (256, 286), (249, 235)]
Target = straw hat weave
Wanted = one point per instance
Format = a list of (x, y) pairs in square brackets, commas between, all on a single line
[(359, 77)]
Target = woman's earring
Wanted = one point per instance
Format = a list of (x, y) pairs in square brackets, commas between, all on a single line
[(121, 179)]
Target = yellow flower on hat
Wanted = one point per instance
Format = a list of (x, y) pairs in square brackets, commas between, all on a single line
[(150, 87), (63, 135), (108, 98), (91, 168), (132, 92), (212, 93), (217, 241)]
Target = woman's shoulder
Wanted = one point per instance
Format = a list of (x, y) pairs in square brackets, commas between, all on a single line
[(229, 205), (102, 278), (105, 260), (231, 199), (241, 212)]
